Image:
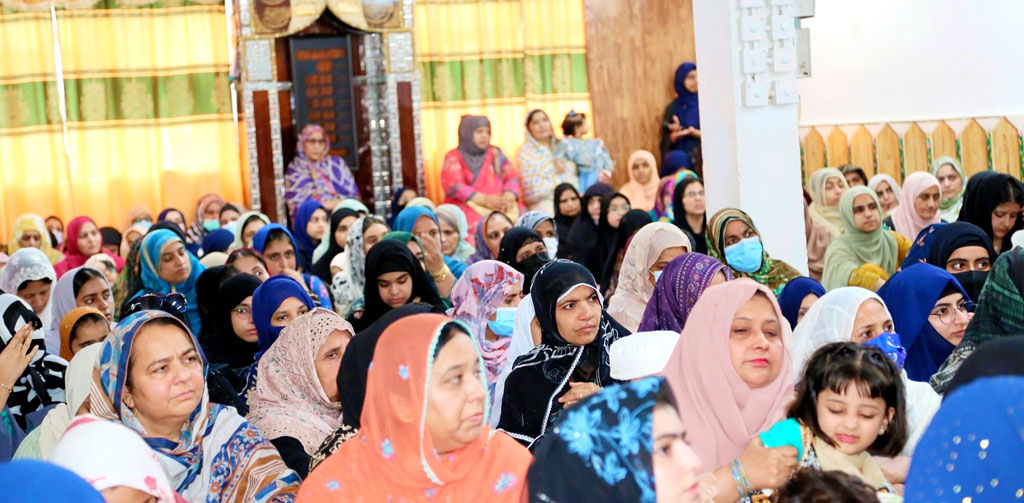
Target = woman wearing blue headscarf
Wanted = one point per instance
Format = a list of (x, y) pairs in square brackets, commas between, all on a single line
[(422, 223), (278, 301), (930, 312), (167, 267), (310, 224), (281, 252), (797, 297), (681, 123)]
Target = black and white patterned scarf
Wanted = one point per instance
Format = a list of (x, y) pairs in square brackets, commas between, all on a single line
[(42, 382)]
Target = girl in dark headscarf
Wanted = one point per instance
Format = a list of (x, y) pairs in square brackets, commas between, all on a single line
[(793, 296), (393, 256), (961, 248), (281, 262), (523, 249), (993, 202), (477, 176), (570, 364), (309, 212), (568, 206), (231, 345), (681, 122), (594, 244), (689, 211), (322, 263)]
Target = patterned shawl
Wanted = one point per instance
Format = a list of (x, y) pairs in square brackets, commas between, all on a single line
[(288, 400), (219, 456), (477, 296), (634, 289), (773, 273), (682, 283), (42, 382)]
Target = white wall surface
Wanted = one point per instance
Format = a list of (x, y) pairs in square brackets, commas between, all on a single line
[(888, 60)]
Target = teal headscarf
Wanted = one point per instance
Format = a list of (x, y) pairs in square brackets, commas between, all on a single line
[(152, 246)]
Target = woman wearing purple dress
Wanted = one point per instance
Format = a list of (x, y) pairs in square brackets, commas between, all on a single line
[(314, 174)]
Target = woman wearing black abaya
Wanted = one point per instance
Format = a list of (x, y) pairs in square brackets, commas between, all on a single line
[(571, 362), (230, 344), (568, 206), (394, 277), (595, 245)]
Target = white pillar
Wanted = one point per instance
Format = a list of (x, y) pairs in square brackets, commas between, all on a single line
[(749, 120)]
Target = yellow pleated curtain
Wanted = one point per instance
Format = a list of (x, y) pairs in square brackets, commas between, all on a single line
[(500, 59), (147, 105)]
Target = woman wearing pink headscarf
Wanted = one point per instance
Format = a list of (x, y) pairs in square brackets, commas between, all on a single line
[(919, 205), (642, 187), (732, 377)]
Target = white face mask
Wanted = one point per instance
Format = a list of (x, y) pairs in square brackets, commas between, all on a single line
[(552, 245)]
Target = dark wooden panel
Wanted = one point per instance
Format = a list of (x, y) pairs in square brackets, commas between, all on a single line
[(633, 50), (264, 154), (408, 139)]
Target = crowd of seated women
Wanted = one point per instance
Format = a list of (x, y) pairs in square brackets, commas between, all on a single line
[(539, 336)]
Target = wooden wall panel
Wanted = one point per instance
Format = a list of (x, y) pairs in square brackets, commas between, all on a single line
[(862, 151), (838, 148), (814, 152), (943, 141), (974, 148), (1006, 148), (915, 150), (887, 148), (633, 50)]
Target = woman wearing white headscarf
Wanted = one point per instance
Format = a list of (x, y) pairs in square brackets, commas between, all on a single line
[(30, 276), (858, 315)]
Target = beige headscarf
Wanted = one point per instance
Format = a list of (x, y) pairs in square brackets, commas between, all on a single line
[(641, 196), (77, 382), (635, 289), (827, 216)]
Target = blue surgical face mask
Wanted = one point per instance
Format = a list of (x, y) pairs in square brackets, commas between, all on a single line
[(746, 255), (211, 225), (232, 226), (504, 322), (657, 276), (891, 345)]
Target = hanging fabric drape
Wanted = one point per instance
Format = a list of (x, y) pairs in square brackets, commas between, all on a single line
[(499, 59), (146, 99)]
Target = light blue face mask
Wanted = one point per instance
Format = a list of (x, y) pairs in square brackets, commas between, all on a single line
[(657, 276), (232, 226), (746, 255), (211, 225), (504, 322)]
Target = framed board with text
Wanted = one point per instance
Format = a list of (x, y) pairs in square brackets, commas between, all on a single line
[(322, 90)]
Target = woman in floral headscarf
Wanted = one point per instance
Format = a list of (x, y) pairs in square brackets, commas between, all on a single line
[(742, 234), (314, 174)]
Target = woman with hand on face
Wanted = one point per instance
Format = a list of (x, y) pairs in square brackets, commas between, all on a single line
[(952, 186), (931, 311), (826, 187), (734, 240), (866, 254), (485, 298), (489, 231), (454, 233), (993, 202), (732, 376), (151, 377), (394, 277), (635, 428), (281, 252), (571, 362), (315, 174), (539, 170), (31, 377), (296, 402), (81, 287), (167, 267), (83, 241), (477, 176), (421, 222), (919, 206), (436, 443), (888, 192), (649, 254)]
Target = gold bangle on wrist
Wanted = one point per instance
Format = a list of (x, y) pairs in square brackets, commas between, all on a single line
[(440, 275)]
